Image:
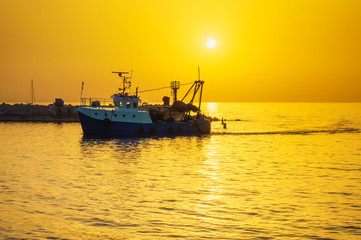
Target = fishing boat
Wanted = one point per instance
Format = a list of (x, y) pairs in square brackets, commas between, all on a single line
[(127, 116)]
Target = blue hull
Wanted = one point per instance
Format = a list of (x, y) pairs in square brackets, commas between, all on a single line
[(102, 128)]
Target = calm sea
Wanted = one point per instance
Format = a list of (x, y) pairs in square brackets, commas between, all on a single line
[(277, 171)]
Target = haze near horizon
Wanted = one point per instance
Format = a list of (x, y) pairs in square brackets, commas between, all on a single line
[(266, 51)]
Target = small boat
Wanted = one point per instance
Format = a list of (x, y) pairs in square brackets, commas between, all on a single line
[(128, 117)]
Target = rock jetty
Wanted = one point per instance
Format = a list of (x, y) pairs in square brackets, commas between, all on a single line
[(56, 112)]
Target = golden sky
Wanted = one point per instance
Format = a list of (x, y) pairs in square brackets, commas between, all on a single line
[(271, 50)]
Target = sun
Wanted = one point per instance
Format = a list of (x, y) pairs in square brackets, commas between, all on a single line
[(211, 43)]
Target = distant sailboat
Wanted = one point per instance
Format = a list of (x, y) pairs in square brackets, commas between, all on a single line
[(32, 92)]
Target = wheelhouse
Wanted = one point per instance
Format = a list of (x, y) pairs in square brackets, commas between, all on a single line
[(126, 103)]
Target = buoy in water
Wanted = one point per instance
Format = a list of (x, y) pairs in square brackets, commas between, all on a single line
[(224, 123)]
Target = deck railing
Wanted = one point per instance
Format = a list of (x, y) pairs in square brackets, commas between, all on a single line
[(97, 102)]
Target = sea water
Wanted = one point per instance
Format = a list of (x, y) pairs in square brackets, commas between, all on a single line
[(277, 171)]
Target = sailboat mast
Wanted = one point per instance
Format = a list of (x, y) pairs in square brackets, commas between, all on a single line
[(32, 92)]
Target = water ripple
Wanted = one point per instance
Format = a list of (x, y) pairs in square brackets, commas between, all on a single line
[(282, 174)]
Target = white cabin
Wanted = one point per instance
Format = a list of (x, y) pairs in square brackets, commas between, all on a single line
[(125, 103)]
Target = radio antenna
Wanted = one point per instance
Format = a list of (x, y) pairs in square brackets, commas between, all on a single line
[(126, 81)]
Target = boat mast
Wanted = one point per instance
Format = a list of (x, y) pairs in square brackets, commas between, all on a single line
[(125, 80), (81, 92), (174, 85), (32, 92), (198, 85), (200, 94)]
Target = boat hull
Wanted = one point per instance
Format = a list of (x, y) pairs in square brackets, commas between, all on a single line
[(107, 128)]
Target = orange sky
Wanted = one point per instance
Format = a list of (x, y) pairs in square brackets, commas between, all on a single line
[(272, 50)]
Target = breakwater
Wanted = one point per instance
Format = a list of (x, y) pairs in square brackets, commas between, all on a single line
[(38, 113)]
